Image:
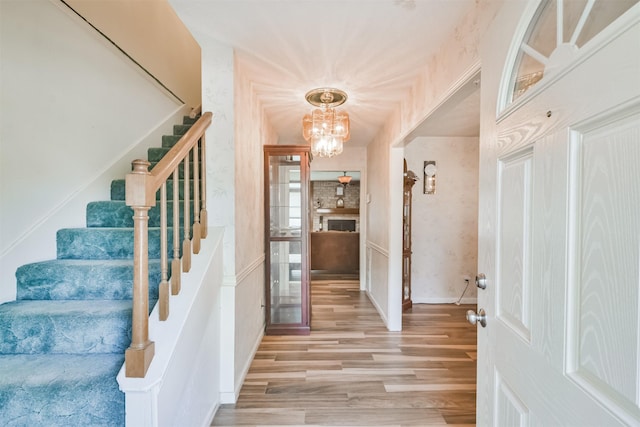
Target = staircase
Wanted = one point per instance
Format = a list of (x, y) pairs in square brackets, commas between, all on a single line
[(62, 342)]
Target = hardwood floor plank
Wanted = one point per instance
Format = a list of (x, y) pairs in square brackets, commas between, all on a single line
[(351, 371), (420, 399), (262, 416), (375, 417), (393, 388), (321, 387)]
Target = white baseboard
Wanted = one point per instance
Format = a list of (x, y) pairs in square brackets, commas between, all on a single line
[(229, 397), (378, 309), (247, 365)]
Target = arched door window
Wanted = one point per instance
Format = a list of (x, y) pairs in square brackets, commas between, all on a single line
[(557, 32)]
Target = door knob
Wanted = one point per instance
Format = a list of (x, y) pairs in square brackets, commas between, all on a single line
[(480, 317), (481, 281)]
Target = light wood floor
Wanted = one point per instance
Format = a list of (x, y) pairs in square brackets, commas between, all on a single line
[(351, 371)]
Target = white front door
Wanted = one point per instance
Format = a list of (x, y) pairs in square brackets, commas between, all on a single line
[(559, 240)]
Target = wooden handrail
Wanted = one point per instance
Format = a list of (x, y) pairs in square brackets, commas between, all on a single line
[(178, 152), (141, 188)]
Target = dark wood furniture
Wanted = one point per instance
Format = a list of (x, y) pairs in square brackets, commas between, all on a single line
[(406, 241), (286, 197), (335, 252)]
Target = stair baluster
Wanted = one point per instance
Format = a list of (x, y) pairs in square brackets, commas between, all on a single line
[(186, 243), (163, 296), (141, 188), (176, 267), (196, 202), (204, 220)]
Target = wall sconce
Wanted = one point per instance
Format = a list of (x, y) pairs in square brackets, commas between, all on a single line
[(430, 170)]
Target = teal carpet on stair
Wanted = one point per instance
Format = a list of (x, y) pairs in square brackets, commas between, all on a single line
[(61, 390), (62, 342)]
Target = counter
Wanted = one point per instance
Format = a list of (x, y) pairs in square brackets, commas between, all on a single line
[(335, 251)]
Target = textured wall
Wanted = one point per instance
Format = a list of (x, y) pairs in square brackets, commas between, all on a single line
[(252, 131), (324, 194), (217, 97), (444, 224)]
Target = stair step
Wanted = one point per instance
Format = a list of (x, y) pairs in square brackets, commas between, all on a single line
[(118, 191), (170, 140), (71, 327), (155, 154), (115, 213), (106, 243), (72, 279), (180, 169), (57, 390), (188, 120), (181, 129)]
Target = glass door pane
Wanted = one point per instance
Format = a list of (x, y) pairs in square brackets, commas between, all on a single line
[(285, 199), (286, 282)]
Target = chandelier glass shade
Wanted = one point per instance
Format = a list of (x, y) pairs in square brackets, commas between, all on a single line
[(326, 128), (344, 179)]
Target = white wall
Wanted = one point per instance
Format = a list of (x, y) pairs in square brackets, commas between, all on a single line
[(377, 229), (235, 189), (217, 97), (445, 225), (351, 159), (72, 108), (151, 32)]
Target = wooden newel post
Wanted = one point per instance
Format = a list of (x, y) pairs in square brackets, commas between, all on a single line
[(140, 353)]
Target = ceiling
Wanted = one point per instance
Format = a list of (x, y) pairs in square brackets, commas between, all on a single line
[(372, 49)]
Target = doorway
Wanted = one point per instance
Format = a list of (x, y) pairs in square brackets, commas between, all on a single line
[(442, 153), (335, 225)]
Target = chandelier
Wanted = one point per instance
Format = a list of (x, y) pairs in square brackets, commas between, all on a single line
[(326, 128), (344, 179)]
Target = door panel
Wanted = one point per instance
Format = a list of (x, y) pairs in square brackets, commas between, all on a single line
[(515, 181), (510, 410), (560, 229), (549, 255), (606, 186)]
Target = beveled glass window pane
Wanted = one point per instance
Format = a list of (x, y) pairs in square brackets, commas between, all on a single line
[(543, 30), (529, 73), (572, 12), (604, 12)]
